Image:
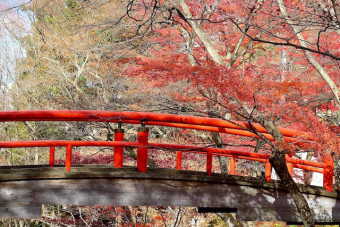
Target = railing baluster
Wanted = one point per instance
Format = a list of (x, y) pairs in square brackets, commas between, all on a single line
[(118, 151), (209, 163), (68, 160), (142, 151), (328, 172), (179, 160), (289, 165), (52, 153), (232, 165), (268, 171)]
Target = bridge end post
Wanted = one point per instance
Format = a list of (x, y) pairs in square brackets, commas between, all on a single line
[(118, 151), (52, 154), (142, 150)]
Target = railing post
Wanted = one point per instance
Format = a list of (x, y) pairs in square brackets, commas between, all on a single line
[(142, 151), (328, 172), (209, 163), (232, 165), (289, 165), (118, 151), (68, 160), (52, 153), (179, 160), (268, 171)]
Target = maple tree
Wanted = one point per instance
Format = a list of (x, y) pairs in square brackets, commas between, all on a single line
[(228, 63)]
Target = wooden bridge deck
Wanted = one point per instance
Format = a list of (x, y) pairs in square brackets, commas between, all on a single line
[(24, 189)]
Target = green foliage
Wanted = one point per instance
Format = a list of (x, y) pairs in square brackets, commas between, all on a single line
[(16, 154), (107, 35), (48, 19), (16, 222), (17, 130), (37, 224), (49, 130), (54, 90), (217, 222), (24, 75), (72, 4)]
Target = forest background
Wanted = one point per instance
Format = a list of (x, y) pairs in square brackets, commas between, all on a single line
[(272, 62)]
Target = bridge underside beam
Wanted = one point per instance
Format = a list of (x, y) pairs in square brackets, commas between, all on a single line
[(22, 191)]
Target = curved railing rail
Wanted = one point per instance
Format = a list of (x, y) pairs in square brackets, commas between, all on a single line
[(169, 120)]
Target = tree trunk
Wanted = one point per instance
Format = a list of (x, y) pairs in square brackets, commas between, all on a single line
[(278, 161), (307, 175), (256, 171), (133, 215), (228, 218), (213, 52), (224, 161)]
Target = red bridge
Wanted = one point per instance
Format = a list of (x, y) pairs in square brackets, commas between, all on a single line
[(168, 120)]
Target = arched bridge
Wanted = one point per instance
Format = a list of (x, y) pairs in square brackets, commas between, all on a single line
[(23, 189)]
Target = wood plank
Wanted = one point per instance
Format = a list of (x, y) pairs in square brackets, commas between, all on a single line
[(253, 200)]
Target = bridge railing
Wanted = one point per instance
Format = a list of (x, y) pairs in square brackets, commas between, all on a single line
[(178, 121), (142, 155)]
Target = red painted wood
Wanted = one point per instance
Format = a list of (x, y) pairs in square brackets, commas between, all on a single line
[(328, 172), (52, 154), (216, 151), (118, 151), (296, 163), (68, 160), (179, 160), (232, 165), (142, 151), (309, 168), (305, 162), (209, 163), (179, 121), (289, 165), (268, 171), (110, 116)]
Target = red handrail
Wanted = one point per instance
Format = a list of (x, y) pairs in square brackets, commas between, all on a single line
[(130, 117)]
